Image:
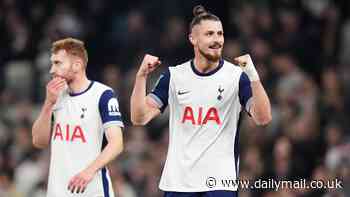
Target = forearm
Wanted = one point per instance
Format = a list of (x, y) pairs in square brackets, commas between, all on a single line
[(138, 100), (41, 129), (260, 106), (109, 153)]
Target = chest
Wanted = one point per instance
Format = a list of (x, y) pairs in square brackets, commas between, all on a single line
[(205, 92), (80, 111)]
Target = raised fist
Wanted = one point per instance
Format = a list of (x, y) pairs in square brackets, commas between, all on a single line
[(149, 64), (247, 65)]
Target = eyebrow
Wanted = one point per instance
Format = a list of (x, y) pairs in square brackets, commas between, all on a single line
[(213, 31)]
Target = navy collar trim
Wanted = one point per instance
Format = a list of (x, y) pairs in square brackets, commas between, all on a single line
[(80, 93), (221, 63)]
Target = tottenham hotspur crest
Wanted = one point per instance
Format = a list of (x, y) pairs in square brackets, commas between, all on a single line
[(220, 90), (83, 110)]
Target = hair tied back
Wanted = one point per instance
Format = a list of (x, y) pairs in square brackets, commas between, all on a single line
[(198, 10)]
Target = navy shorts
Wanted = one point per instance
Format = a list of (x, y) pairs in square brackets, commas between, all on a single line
[(218, 193)]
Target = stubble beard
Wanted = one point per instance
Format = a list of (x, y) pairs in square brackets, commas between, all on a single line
[(213, 58)]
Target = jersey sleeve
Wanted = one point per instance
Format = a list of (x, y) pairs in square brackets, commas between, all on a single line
[(160, 92), (109, 110), (245, 92)]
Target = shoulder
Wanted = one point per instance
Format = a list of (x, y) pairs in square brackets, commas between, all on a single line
[(181, 67), (105, 94), (231, 72), (171, 71), (232, 68), (100, 88)]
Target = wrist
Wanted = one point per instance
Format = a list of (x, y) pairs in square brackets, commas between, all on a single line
[(247, 65), (48, 108), (49, 104), (251, 72), (140, 74), (253, 75), (92, 170)]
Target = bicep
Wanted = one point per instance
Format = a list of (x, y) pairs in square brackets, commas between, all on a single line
[(153, 108)]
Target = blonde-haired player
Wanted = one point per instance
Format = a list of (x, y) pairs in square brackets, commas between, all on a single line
[(81, 122)]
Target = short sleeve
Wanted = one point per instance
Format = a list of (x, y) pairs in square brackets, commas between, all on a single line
[(245, 91), (109, 110), (160, 92)]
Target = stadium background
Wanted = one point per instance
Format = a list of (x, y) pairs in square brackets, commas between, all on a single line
[(300, 47)]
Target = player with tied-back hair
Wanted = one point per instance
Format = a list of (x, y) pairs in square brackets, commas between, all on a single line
[(205, 96)]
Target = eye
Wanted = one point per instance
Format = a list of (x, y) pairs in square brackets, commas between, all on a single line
[(210, 33)]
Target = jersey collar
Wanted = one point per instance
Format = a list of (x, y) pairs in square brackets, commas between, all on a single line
[(221, 63), (80, 93)]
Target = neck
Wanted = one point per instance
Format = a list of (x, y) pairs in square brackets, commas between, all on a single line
[(79, 84), (204, 65)]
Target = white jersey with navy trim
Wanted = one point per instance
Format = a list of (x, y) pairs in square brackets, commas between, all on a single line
[(79, 121), (203, 124)]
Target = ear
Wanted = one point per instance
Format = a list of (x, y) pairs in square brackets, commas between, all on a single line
[(191, 38), (77, 65)]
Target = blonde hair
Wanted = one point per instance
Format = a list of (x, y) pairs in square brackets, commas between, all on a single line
[(72, 46)]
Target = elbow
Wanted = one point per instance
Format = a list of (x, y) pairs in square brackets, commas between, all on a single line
[(264, 120), (121, 148), (38, 144), (138, 121), (118, 146)]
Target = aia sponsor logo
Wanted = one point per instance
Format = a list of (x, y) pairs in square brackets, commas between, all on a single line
[(69, 133), (200, 116)]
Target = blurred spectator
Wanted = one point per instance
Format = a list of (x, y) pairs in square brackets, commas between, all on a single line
[(7, 187)]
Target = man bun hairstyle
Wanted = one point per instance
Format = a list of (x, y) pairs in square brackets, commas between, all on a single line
[(198, 10), (200, 14)]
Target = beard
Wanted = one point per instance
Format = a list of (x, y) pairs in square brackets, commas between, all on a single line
[(211, 57), (68, 76), (69, 80)]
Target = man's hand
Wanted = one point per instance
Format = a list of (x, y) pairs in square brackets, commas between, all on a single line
[(79, 182), (149, 64), (53, 89), (246, 63)]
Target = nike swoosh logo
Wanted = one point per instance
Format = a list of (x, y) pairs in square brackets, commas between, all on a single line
[(182, 92)]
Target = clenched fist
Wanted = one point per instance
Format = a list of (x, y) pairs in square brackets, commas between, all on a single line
[(149, 64), (246, 63)]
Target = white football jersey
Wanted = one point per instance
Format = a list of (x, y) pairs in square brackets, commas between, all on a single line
[(79, 121), (203, 124)]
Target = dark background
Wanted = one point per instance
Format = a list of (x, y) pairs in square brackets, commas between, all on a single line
[(301, 49)]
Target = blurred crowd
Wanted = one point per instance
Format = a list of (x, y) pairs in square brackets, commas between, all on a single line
[(301, 49)]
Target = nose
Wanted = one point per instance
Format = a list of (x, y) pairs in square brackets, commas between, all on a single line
[(218, 39), (52, 70)]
